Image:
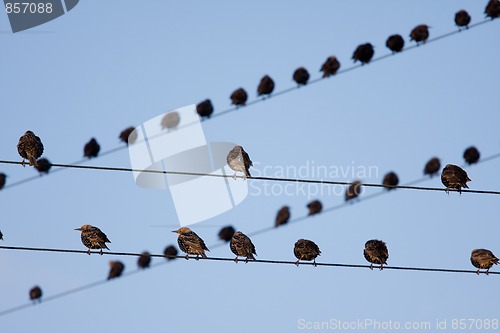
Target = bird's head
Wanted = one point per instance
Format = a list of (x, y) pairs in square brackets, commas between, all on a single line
[(182, 230), (84, 227)]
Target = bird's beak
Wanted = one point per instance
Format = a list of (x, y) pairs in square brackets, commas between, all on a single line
[(174, 231), (79, 229)]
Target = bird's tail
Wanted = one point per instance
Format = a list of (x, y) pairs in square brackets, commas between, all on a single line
[(251, 257), (32, 161), (248, 175), (203, 255)]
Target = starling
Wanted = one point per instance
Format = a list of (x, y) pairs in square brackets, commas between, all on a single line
[(205, 109), (390, 179), (1, 235), (91, 149), (238, 160), (353, 191), (226, 233), (170, 120), (36, 294), (3, 178), (395, 43), (266, 86), (115, 269), (420, 33), (144, 260), (30, 147), (483, 259), (314, 207), (376, 252), (454, 176), (432, 167), (170, 252), (128, 135), (93, 237), (462, 19), (283, 216), (191, 243), (471, 155), (242, 246), (306, 250), (330, 67), (363, 53), (43, 165), (492, 9), (301, 76), (239, 97)]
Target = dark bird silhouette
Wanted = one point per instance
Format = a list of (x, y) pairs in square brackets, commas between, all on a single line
[(3, 180), (170, 120), (226, 233), (128, 135), (363, 53), (376, 252), (420, 34), (462, 19), (115, 269), (30, 147), (239, 97), (36, 294), (93, 238), (330, 67), (353, 191), (492, 9), (314, 207), (191, 243), (306, 250), (43, 166), (432, 167), (242, 246), (205, 109), (238, 160), (266, 86), (454, 176), (170, 252), (483, 259), (283, 216), (91, 148), (1, 235), (471, 155), (301, 76), (395, 43), (390, 179), (144, 260)]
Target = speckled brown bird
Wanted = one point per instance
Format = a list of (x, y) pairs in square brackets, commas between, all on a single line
[(483, 259), (226, 233), (492, 9), (30, 147), (462, 19), (376, 252), (93, 238), (128, 135), (239, 97), (314, 207), (191, 243), (115, 269), (3, 180), (91, 148), (242, 246), (301, 76), (432, 167), (238, 160), (266, 86), (390, 179), (420, 34), (36, 294), (43, 165), (283, 216), (454, 176), (205, 109), (170, 120), (330, 67), (353, 191), (363, 53), (395, 43), (144, 260), (170, 252), (306, 250), (471, 155)]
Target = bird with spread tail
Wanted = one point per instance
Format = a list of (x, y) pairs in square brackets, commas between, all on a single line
[(191, 243), (483, 259), (376, 252), (455, 177), (305, 249), (242, 246), (238, 160), (30, 147), (93, 238)]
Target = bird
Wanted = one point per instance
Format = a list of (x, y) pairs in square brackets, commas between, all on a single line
[(1, 235), (483, 259), (266, 86), (91, 149), (30, 147), (226, 233), (376, 252), (191, 243), (420, 33), (115, 269), (390, 179), (144, 260), (314, 207), (363, 53), (432, 167), (353, 191), (128, 135), (36, 294), (462, 19), (306, 250), (471, 155), (492, 9), (205, 109), (170, 252), (238, 160), (330, 66), (93, 238), (242, 246), (3, 180), (301, 76), (395, 43), (283, 216), (170, 120), (239, 97), (454, 176), (43, 165)]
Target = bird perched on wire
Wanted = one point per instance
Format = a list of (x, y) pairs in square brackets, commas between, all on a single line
[(93, 238), (266, 86), (242, 246), (205, 109), (306, 250), (170, 252), (454, 176), (115, 269), (471, 155), (314, 207), (128, 135), (363, 53), (3, 180), (330, 66), (283, 216), (43, 166), (301, 76), (353, 191), (432, 167), (191, 243), (462, 19), (390, 179), (239, 97), (395, 43), (144, 260), (170, 120), (420, 34), (226, 233), (376, 252), (91, 148), (238, 160), (483, 259), (30, 147), (36, 294), (492, 9)]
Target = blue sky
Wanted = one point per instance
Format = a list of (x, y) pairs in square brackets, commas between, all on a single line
[(107, 65)]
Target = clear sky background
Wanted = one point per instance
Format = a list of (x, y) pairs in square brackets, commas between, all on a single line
[(107, 65)]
